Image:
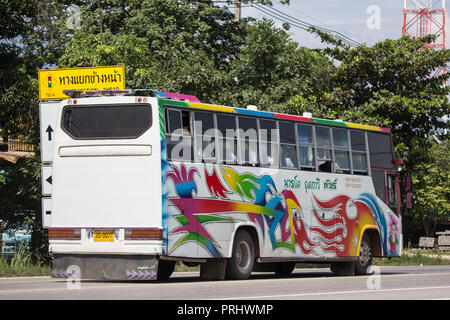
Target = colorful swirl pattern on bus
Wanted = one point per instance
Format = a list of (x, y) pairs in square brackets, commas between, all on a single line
[(272, 210)]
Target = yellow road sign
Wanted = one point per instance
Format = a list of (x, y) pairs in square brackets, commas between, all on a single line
[(52, 82)]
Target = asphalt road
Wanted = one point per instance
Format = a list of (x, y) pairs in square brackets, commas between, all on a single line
[(392, 283)]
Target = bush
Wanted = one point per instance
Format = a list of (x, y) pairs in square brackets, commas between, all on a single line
[(24, 263)]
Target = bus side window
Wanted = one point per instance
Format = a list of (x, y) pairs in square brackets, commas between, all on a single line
[(173, 120), (178, 135), (323, 142), (248, 138), (306, 147), (381, 150), (341, 150), (288, 145), (186, 122), (359, 154), (378, 179), (268, 146), (226, 125), (205, 138)]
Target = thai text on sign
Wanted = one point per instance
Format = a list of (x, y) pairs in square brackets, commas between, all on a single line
[(52, 82)]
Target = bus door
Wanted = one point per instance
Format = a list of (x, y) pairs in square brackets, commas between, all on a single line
[(392, 191), (387, 188)]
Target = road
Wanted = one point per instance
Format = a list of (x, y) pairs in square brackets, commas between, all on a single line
[(405, 283)]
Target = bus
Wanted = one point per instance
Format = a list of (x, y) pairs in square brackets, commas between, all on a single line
[(143, 179)]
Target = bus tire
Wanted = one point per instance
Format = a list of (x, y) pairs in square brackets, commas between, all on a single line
[(165, 269), (242, 260), (284, 269), (365, 256)]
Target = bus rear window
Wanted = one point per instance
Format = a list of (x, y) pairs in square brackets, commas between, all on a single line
[(124, 121)]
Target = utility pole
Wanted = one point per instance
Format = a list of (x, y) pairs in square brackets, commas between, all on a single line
[(237, 18), (237, 10)]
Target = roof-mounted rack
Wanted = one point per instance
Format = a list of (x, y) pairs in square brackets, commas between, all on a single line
[(75, 94)]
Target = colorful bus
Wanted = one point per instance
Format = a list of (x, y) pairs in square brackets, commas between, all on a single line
[(143, 179)]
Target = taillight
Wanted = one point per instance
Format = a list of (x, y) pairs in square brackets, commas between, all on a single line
[(143, 234), (139, 100), (64, 234)]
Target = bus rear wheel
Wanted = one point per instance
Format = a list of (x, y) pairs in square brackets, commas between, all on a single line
[(242, 261), (165, 269), (365, 256)]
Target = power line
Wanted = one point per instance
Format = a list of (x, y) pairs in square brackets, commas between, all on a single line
[(327, 25), (334, 33), (295, 22), (279, 15)]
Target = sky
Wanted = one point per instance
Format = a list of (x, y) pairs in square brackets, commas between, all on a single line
[(365, 21)]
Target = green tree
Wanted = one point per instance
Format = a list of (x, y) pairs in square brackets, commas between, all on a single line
[(388, 84), (20, 200), (170, 45), (14, 80), (184, 46), (20, 186), (271, 69), (432, 187), (391, 84)]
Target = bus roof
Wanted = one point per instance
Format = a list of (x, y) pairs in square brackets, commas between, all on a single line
[(267, 114)]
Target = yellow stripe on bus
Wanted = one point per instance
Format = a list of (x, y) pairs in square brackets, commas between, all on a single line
[(211, 107), (362, 126)]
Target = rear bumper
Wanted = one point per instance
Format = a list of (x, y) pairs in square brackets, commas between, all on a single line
[(105, 266), (120, 245)]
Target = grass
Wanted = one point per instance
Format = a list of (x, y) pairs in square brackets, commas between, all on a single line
[(181, 267), (23, 264), (414, 258)]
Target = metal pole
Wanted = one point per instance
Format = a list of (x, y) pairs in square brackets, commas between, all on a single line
[(237, 10)]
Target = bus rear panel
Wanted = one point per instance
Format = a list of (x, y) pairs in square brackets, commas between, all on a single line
[(106, 215)]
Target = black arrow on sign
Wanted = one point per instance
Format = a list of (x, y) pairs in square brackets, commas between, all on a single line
[(49, 131), (49, 180)]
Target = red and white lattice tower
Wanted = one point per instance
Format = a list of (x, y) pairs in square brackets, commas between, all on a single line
[(425, 17)]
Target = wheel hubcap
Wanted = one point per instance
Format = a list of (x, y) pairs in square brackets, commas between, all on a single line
[(364, 254), (243, 255)]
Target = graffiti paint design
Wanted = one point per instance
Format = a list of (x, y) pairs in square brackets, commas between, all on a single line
[(333, 228)]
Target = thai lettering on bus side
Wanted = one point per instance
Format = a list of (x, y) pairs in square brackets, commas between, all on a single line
[(312, 185), (293, 183), (330, 184)]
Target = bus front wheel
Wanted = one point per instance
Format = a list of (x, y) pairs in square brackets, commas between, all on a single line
[(242, 261), (365, 256)]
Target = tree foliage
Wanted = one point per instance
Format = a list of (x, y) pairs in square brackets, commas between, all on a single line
[(392, 84), (271, 69), (388, 84), (184, 46), (432, 187)]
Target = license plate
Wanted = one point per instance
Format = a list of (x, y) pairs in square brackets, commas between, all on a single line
[(103, 236)]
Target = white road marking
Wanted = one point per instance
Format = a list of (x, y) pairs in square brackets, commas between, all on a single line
[(331, 293)]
